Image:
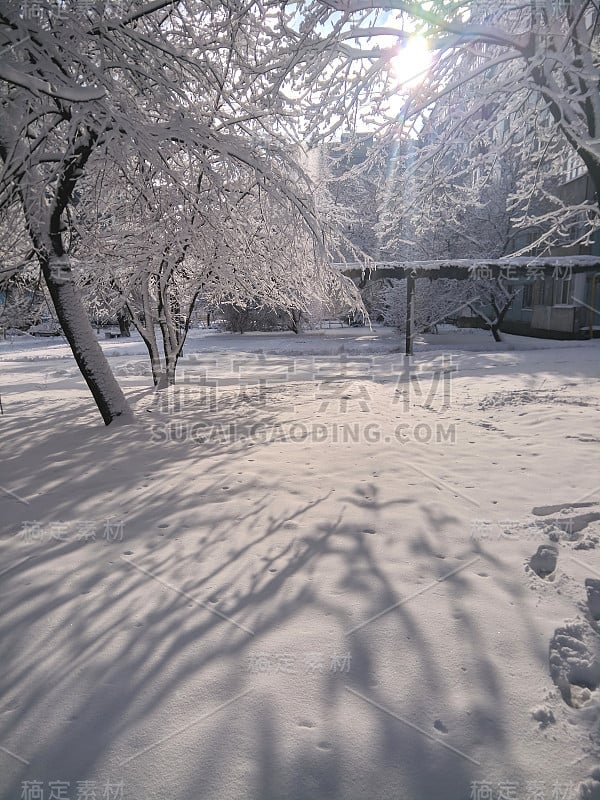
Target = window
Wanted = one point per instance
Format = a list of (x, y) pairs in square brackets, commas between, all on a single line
[(561, 291), (546, 292), (578, 226), (527, 296)]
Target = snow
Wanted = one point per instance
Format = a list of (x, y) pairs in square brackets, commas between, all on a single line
[(331, 582), (476, 266), (76, 94)]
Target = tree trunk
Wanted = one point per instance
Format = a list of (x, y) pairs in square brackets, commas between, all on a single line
[(501, 313), (410, 313), (500, 319), (124, 322), (78, 330), (144, 324), (171, 369), (149, 339)]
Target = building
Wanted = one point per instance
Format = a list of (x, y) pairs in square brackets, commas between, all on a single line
[(563, 304)]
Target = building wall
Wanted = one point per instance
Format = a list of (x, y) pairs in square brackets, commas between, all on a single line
[(558, 291)]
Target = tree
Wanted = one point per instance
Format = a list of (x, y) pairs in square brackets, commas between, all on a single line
[(500, 75), (23, 302), (441, 300), (491, 302), (155, 85), (171, 81), (236, 239), (58, 108)]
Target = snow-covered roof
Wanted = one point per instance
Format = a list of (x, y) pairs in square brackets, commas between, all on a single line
[(523, 266)]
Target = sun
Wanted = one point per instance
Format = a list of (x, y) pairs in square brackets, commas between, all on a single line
[(412, 62)]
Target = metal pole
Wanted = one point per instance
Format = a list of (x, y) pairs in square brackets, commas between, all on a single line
[(593, 303), (410, 311)]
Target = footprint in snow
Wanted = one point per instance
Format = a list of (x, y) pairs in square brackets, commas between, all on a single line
[(592, 587), (575, 662), (324, 745), (543, 562), (543, 511), (590, 788)]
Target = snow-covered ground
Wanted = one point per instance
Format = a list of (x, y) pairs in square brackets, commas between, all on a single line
[(311, 571)]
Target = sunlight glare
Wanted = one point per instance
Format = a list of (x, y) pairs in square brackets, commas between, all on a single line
[(411, 63)]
